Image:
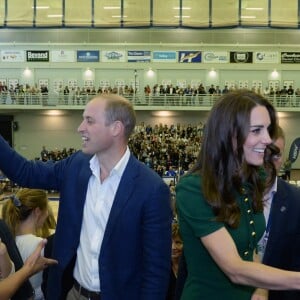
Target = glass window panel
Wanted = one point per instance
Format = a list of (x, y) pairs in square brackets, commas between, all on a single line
[(225, 13), (48, 13), (284, 15), (255, 13), (195, 13), (136, 14), (2, 12), (20, 14), (78, 12), (107, 13), (166, 12)]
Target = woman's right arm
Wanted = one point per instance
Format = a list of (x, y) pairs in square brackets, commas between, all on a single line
[(34, 263), (223, 251)]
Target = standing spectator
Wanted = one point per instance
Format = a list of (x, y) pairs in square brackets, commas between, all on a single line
[(297, 96), (25, 213), (107, 196), (44, 93), (290, 93), (24, 289), (44, 154), (66, 95), (225, 90), (14, 286)]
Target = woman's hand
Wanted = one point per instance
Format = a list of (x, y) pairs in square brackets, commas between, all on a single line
[(36, 262)]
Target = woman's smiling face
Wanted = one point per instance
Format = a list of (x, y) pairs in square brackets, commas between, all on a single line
[(258, 137)]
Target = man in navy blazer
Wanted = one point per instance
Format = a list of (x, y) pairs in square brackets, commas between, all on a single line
[(283, 225), (114, 219)]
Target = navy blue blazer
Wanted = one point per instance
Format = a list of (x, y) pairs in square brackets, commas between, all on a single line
[(135, 257), (283, 247)]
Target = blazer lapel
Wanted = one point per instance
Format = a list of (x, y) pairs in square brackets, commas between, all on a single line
[(124, 193)]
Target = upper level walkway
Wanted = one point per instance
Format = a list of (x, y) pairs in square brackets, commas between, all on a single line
[(140, 101)]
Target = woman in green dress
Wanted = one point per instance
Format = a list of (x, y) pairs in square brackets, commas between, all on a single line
[(219, 204)]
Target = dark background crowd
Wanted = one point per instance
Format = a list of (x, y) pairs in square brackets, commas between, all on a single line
[(168, 149)]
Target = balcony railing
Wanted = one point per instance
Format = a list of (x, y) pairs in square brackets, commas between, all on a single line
[(140, 101)]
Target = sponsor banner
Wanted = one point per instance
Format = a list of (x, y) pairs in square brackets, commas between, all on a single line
[(12, 56), (37, 55), (215, 57), (164, 56), (88, 55), (241, 57), (189, 56), (290, 57), (266, 57), (113, 56), (63, 56), (138, 56)]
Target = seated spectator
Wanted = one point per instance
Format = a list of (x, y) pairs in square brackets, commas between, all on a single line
[(171, 172), (25, 213)]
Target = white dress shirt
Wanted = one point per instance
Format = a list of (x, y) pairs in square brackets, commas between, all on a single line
[(99, 200)]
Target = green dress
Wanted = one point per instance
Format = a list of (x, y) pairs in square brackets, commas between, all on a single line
[(196, 219)]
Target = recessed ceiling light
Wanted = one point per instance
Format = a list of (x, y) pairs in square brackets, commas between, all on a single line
[(111, 7)]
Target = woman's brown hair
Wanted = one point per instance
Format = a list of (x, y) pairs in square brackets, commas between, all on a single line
[(221, 159)]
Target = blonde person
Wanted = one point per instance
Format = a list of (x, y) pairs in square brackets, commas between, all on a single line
[(25, 213), (48, 228)]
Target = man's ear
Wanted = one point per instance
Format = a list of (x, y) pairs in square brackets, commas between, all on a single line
[(117, 128)]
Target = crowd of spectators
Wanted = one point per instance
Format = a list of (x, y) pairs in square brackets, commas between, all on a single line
[(167, 94), (56, 154), (168, 149)]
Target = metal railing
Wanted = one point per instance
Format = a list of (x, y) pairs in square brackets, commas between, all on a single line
[(140, 101)]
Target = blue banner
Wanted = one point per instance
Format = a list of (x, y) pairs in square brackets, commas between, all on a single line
[(189, 56), (88, 56), (164, 56)]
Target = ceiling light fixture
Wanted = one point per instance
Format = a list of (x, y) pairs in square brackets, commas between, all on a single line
[(254, 8), (54, 16), (111, 7), (183, 8), (41, 7)]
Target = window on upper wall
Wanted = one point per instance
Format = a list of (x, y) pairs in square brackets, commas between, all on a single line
[(78, 13), (49, 13), (20, 14), (107, 13), (225, 13), (194, 13), (136, 13), (284, 14), (166, 13), (2, 12), (255, 13)]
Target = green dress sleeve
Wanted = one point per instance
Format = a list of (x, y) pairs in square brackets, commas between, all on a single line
[(192, 208)]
